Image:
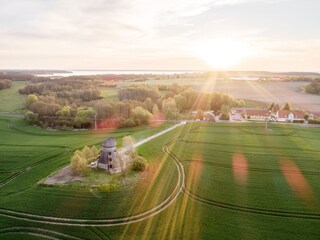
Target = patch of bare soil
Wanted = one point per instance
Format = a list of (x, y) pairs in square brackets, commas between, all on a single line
[(63, 176)]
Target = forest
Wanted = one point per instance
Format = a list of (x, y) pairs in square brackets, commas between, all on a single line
[(73, 103)]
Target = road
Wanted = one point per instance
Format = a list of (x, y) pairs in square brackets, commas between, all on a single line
[(159, 134)]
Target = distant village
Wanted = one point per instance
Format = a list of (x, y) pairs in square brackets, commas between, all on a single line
[(255, 114)]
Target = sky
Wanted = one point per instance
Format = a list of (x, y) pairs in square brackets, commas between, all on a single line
[(259, 35)]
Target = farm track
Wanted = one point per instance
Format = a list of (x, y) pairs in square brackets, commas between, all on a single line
[(180, 187), (112, 221), (253, 169), (245, 145), (261, 211), (18, 172), (49, 234)]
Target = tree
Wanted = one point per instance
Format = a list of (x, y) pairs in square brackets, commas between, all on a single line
[(181, 102), (225, 112), (139, 164), (271, 106), (5, 83), (313, 88), (128, 145), (241, 103), (78, 165), (88, 154), (95, 151), (32, 117), (141, 116), (155, 109), (64, 112), (169, 108), (31, 98), (286, 106), (84, 116), (200, 114), (276, 108)]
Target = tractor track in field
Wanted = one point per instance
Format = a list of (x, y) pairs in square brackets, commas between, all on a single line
[(45, 233), (261, 211), (246, 145), (252, 210), (180, 188), (252, 169), (18, 172), (266, 155), (112, 221), (266, 212)]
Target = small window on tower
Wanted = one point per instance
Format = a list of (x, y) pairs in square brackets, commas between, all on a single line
[(109, 153), (110, 166)]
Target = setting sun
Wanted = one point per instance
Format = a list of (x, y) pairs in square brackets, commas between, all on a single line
[(222, 53)]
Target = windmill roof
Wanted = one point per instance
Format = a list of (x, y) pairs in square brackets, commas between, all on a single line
[(109, 142)]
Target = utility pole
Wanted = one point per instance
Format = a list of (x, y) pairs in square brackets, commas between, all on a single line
[(95, 121), (266, 126)]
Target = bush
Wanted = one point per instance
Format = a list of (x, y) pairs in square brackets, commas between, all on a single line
[(314, 121), (78, 165), (5, 83), (139, 164), (31, 117), (224, 116), (298, 121), (128, 123)]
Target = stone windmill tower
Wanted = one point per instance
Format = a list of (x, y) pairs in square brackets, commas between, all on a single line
[(109, 158)]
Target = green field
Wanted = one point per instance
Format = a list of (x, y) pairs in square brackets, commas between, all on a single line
[(11, 101), (237, 181)]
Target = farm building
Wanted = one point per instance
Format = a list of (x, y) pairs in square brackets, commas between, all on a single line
[(281, 115), (109, 158), (209, 116), (257, 114), (289, 116)]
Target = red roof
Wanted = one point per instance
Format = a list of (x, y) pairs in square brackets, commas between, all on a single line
[(296, 113), (257, 112)]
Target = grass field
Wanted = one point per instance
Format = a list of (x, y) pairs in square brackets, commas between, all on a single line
[(241, 182), (11, 101)]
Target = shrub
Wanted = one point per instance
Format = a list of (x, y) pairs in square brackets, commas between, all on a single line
[(139, 164), (224, 116), (78, 165), (128, 123), (31, 117), (5, 83), (298, 121), (314, 121)]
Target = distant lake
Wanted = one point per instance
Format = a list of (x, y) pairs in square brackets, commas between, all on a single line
[(141, 72), (103, 72)]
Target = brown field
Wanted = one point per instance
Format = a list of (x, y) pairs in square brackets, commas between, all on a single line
[(279, 92)]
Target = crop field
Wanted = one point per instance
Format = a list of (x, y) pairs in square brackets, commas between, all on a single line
[(204, 181)]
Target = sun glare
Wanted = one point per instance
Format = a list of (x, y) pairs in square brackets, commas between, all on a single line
[(222, 53)]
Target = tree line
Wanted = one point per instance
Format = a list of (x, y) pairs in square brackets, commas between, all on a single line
[(5, 83), (67, 104), (313, 88)]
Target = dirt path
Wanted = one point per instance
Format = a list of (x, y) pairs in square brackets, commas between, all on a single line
[(159, 134)]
